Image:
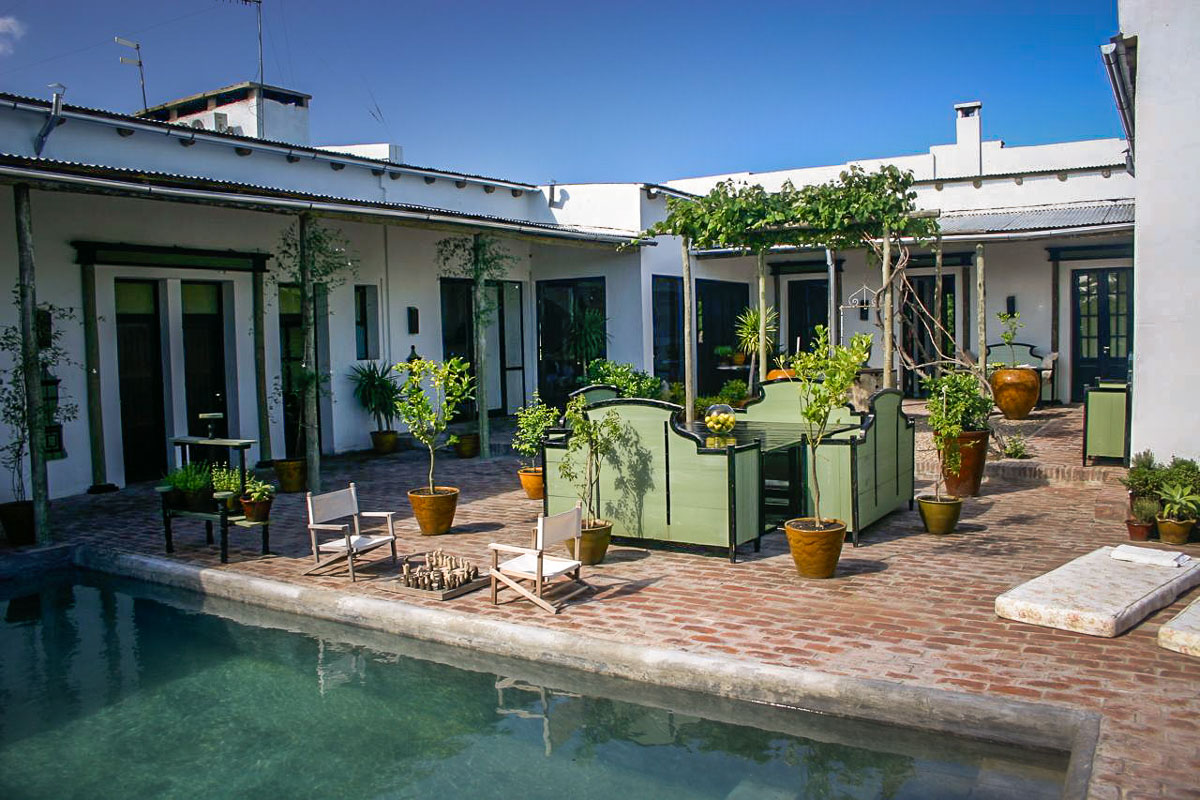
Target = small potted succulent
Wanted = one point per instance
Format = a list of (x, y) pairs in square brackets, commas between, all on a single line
[(590, 442), (1143, 513), (532, 423), (256, 500), (226, 480), (193, 481), (376, 389), (1179, 506), (1016, 387), (962, 407)]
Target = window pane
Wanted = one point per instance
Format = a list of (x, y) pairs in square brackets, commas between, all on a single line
[(201, 298), (135, 297)]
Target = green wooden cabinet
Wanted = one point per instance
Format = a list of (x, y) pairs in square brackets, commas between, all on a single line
[(1106, 411)]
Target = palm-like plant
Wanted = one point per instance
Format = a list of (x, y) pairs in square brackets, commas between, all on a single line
[(376, 388), (746, 330)]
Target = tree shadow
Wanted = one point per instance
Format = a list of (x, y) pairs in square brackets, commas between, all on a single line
[(625, 555), (622, 588), (477, 527), (849, 567), (633, 481)]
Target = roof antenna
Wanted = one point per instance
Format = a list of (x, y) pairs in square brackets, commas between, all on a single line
[(53, 120), (137, 62), (258, 110)]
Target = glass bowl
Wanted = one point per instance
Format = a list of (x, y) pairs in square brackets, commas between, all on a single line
[(719, 419)]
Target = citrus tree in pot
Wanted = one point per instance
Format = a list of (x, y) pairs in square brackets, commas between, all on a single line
[(947, 395), (1016, 387), (590, 442), (960, 408), (825, 374), (430, 396), (532, 423), (376, 389)]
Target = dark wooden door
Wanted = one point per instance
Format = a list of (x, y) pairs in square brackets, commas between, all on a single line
[(916, 334), (204, 357), (808, 307), (1102, 319), (718, 304), (140, 381), (572, 330)]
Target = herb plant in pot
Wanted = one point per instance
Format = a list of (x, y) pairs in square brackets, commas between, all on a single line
[(532, 423), (1144, 512), (376, 389), (1179, 506), (962, 405), (256, 501), (939, 512), (825, 375), (227, 482), (590, 442), (194, 483), (430, 396), (1016, 387)]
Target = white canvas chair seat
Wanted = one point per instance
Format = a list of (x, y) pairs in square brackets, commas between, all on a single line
[(344, 539), (531, 573)]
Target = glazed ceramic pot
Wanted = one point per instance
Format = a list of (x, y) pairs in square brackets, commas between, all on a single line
[(533, 482), (593, 543), (256, 510), (815, 552), (1016, 390), (291, 473), (434, 512), (467, 445), (1139, 531), (1172, 531), (17, 519), (384, 442), (939, 516), (972, 448)]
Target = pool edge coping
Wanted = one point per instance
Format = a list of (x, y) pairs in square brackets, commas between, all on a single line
[(1040, 725)]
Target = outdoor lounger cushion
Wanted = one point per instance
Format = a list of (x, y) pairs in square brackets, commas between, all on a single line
[(1096, 594), (1182, 633)]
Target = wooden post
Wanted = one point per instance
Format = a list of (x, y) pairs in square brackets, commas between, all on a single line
[(91, 369), (480, 301), (889, 320), (35, 417), (260, 368), (981, 311), (937, 302), (689, 339), (831, 299), (311, 421), (762, 316)]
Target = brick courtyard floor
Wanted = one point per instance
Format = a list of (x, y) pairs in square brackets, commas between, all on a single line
[(905, 606)]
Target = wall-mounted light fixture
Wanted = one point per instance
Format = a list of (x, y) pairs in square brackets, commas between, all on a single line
[(414, 321), (1010, 304)]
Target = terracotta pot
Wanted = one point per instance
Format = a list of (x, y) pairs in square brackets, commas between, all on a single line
[(533, 482), (939, 516), (781, 373), (467, 445), (1139, 531), (17, 519), (815, 553), (972, 447), (256, 510), (200, 500), (1174, 531), (739, 359), (434, 512), (291, 473), (384, 442), (1016, 390), (593, 543)]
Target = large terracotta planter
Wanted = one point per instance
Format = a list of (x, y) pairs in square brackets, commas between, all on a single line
[(17, 519), (1174, 531), (972, 446), (533, 482), (434, 512), (939, 516), (1016, 390), (291, 473), (593, 543), (467, 445), (814, 552), (384, 442)]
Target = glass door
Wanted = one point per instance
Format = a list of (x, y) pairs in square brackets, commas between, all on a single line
[(140, 380), (1102, 319), (572, 332)]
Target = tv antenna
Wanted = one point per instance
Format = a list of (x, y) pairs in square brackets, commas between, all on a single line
[(258, 105), (137, 62)]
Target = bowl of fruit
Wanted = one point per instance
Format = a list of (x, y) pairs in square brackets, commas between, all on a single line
[(719, 419)]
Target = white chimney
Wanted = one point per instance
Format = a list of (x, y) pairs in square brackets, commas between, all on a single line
[(968, 129)]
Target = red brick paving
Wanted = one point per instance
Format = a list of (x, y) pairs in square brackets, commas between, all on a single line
[(905, 606)]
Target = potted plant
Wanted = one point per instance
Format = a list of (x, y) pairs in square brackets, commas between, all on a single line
[(589, 443), (532, 423), (226, 479), (825, 375), (256, 500), (1016, 387), (194, 483), (1179, 507), (724, 354), (1143, 514), (376, 389), (940, 513), (293, 472), (967, 408), (430, 396), (1144, 478), (745, 335)]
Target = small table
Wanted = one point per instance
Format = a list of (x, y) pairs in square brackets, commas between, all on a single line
[(238, 445), (220, 515)]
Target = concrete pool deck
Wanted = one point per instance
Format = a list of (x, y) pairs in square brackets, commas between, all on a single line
[(907, 611)]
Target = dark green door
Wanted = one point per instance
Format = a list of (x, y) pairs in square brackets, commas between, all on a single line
[(572, 329), (808, 303), (718, 304), (204, 357), (1102, 320), (140, 379)]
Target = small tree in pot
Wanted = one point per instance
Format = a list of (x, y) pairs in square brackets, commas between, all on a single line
[(590, 442), (376, 389), (532, 423), (1016, 387), (958, 413), (430, 396), (825, 375), (953, 398)]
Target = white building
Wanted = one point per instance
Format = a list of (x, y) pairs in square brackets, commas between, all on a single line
[(161, 229)]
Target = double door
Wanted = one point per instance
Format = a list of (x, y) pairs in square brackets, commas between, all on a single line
[(1102, 320)]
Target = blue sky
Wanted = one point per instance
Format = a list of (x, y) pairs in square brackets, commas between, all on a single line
[(601, 91)]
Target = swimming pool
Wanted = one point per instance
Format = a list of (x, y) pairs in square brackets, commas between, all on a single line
[(111, 688)]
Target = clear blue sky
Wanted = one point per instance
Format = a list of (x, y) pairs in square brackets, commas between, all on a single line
[(611, 90)]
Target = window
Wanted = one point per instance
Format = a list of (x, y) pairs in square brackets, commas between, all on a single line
[(668, 327), (366, 322)]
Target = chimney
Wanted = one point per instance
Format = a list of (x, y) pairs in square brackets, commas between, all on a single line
[(969, 134)]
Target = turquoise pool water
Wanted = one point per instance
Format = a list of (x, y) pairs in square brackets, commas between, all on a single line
[(110, 689)]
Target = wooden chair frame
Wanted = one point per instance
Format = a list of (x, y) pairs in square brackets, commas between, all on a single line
[(540, 583), (336, 505)]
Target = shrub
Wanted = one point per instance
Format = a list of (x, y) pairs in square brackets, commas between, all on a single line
[(532, 423), (1145, 510), (1181, 472), (1145, 476), (192, 477), (734, 391), (630, 382), (258, 490), (1016, 447)]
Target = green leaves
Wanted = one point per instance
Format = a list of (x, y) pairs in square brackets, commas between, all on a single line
[(328, 251), (590, 442), (745, 330), (629, 381), (376, 389), (1179, 502), (956, 404), (429, 398), (532, 423)]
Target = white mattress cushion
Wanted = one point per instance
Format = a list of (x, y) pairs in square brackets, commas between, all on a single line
[(1182, 633), (1096, 594)]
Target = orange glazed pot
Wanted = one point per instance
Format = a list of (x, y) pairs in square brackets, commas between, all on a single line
[(815, 552), (781, 373), (533, 482), (1016, 390), (434, 512), (972, 445)]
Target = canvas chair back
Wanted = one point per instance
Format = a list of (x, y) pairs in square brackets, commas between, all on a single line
[(332, 505), (558, 528)]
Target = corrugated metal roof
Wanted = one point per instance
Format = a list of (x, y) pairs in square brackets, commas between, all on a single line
[(1032, 219)]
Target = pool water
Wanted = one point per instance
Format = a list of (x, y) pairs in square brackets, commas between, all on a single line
[(110, 689)]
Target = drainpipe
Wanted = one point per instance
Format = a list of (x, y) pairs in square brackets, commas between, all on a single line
[(52, 121)]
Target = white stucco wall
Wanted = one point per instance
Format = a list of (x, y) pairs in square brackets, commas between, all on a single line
[(1167, 160)]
